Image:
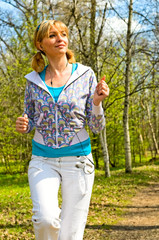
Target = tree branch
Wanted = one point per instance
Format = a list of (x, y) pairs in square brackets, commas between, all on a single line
[(102, 25), (140, 14)]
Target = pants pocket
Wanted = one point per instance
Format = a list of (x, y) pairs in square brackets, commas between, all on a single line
[(86, 173)]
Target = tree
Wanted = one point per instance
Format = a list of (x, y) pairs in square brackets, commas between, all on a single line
[(128, 166)]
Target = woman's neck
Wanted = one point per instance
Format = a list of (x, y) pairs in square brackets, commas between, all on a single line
[(58, 65), (58, 72)]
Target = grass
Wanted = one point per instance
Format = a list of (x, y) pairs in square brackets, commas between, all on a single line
[(109, 198)]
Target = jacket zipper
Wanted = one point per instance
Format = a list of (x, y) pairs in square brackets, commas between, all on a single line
[(56, 124)]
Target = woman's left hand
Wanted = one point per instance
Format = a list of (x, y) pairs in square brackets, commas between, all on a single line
[(101, 92)]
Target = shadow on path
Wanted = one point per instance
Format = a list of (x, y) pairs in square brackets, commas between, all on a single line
[(122, 227)]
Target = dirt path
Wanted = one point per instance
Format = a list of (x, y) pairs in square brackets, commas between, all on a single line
[(141, 220)]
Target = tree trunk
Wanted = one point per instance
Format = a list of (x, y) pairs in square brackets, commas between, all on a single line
[(103, 140), (128, 164), (35, 7), (152, 131), (93, 49), (154, 109)]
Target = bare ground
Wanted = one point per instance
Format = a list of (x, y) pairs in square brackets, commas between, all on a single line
[(141, 218)]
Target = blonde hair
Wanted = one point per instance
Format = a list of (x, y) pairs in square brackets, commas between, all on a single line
[(42, 30)]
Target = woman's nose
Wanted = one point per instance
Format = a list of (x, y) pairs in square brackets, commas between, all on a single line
[(59, 37)]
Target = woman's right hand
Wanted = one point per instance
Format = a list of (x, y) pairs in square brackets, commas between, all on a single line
[(22, 124)]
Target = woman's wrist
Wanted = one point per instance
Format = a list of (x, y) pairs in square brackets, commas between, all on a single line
[(96, 102)]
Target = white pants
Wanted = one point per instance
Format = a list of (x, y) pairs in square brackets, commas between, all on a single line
[(45, 176)]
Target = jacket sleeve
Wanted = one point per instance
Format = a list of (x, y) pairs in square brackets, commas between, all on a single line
[(29, 107), (95, 114)]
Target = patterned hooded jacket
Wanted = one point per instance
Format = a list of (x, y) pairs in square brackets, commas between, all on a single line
[(63, 123)]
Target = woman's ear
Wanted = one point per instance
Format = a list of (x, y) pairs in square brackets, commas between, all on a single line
[(39, 47)]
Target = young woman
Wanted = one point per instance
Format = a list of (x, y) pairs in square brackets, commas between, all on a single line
[(60, 98)]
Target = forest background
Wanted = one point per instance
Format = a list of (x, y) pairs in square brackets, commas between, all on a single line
[(118, 39)]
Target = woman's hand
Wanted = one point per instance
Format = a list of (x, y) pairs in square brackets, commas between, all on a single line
[(101, 92), (22, 124)]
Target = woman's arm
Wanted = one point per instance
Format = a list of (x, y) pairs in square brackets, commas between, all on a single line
[(95, 114), (25, 123)]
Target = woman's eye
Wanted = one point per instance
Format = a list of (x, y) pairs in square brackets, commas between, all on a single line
[(64, 34), (52, 35)]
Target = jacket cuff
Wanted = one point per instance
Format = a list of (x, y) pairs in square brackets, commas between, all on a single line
[(28, 129), (97, 110)]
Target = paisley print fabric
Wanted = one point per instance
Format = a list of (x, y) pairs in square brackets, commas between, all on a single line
[(59, 122)]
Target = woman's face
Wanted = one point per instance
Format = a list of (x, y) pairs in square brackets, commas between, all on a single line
[(56, 43)]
